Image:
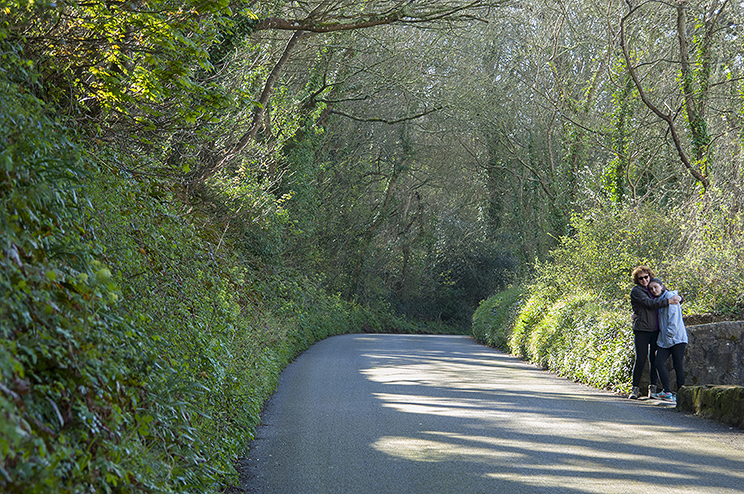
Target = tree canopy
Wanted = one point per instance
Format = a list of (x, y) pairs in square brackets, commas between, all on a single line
[(242, 167)]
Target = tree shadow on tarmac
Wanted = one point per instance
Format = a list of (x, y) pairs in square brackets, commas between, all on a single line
[(442, 414), (488, 422)]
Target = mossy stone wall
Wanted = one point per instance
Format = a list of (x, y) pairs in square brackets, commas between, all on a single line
[(715, 354), (724, 404)]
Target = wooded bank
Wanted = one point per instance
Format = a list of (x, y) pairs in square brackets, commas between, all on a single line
[(194, 192)]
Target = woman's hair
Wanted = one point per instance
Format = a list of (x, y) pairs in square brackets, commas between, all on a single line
[(657, 281), (639, 271)]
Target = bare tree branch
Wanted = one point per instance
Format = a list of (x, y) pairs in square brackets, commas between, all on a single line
[(668, 118), (400, 13), (382, 120)]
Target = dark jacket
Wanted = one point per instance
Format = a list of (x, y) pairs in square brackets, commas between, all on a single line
[(644, 306)]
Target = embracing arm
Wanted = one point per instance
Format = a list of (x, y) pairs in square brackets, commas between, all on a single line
[(638, 296)]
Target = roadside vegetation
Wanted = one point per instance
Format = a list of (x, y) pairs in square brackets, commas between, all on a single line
[(573, 317), (195, 192), (139, 340)]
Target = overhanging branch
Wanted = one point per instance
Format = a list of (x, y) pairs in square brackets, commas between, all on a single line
[(408, 13), (383, 120)]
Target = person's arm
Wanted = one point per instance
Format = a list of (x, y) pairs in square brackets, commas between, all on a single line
[(673, 297), (639, 296)]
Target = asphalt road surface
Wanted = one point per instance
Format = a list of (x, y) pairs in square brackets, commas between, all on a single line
[(411, 414)]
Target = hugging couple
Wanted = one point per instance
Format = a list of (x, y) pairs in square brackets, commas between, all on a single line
[(658, 331)]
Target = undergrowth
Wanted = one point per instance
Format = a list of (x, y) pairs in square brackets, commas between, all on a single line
[(574, 317), (495, 316), (73, 376), (140, 335)]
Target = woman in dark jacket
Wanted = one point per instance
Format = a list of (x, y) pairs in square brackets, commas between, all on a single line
[(645, 327)]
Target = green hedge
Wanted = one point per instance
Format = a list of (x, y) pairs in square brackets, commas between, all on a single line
[(578, 337), (70, 403), (139, 338), (575, 336), (494, 318)]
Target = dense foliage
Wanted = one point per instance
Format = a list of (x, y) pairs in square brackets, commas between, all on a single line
[(574, 317), (71, 383), (637, 124), (494, 319), (193, 192)]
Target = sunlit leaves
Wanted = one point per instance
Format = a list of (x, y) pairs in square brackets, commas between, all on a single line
[(126, 58)]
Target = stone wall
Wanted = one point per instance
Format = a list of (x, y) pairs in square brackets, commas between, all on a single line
[(715, 354), (724, 404), (714, 366)]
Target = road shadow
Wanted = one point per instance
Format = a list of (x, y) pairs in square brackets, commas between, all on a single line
[(442, 414)]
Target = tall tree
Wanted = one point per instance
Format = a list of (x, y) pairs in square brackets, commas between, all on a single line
[(694, 56)]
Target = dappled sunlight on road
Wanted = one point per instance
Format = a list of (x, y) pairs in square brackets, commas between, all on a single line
[(391, 414), (517, 425), (432, 450)]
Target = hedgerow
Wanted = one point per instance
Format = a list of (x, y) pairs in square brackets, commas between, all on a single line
[(140, 335), (494, 318), (577, 336), (69, 399), (574, 317)]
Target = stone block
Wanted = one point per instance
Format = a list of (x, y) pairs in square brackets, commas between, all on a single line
[(715, 354), (724, 404)]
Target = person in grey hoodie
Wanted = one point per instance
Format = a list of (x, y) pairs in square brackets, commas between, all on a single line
[(672, 339), (645, 327)]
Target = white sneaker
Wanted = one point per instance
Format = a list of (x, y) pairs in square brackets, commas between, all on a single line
[(634, 393)]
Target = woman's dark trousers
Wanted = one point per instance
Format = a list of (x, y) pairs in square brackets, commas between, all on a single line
[(678, 354), (645, 347)]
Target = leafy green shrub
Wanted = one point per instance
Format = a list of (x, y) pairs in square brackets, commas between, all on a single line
[(604, 247), (68, 396), (220, 342), (580, 338), (493, 320), (89, 58), (529, 315), (577, 336), (709, 267)]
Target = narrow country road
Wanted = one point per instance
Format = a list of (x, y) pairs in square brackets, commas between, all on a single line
[(385, 414)]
